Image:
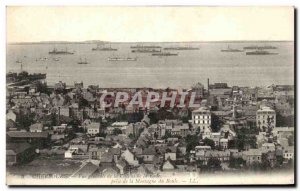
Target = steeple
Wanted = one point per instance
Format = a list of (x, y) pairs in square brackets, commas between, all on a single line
[(234, 113)]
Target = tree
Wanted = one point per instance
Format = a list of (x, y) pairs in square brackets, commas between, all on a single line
[(25, 120), (216, 123), (236, 162), (167, 135), (153, 118), (117, 131), (42, 87), (130, 136), (192, 141), (284, 121), (155, 135), (214, 164), (209, 142)]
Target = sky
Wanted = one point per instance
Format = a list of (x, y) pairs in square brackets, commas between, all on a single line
[(149, 24)]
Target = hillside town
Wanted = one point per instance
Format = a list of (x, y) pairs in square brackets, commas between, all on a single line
[(65, 131)]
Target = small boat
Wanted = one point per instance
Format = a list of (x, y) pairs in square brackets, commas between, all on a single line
[(181, 48), (260, 52), (260, 47), (231, 50), (142, 46), (116, 58), (145, 50), (18, 61), (82, 62), (165, 54)]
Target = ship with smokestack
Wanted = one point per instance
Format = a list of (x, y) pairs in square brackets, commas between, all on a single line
[(144, 47), (61, 52), (146, 50), (259, 47), (103, 48), (181, 48), (164, 54)]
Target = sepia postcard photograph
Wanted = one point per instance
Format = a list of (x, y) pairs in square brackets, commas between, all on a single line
[(150, 95)]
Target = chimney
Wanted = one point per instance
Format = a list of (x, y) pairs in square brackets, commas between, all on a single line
[(58, 115), (207, 86)]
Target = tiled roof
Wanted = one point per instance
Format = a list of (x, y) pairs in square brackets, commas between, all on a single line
[(20, 134)]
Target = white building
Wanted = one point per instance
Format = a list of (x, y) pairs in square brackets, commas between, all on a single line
[(202, 118), (11, 115), (265, 118), (93, 128)]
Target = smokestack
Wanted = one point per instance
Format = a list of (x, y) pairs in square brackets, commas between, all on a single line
[(58, 115), (207, 86)]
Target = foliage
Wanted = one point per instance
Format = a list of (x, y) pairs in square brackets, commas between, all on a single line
[(245, 138), (25, 120), (117, 131), (209, 142), (236, 162), (42, 87), (192, 141), (131, 136), (135, 117), (216, 123), (167, 135), (214, 164), (284, 121)]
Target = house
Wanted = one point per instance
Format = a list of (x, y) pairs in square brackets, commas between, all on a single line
[(107, 159), (283, 132), (252, 155), (224, 143), (288, 153), (227, 132), (223, 156), (86, 171), (265, 118), (130, 158), (79, 151), (268, 147), (109, 171), (181, 130), (116, 152), (57, 137), (96, 153), (64, 111), (17, 153), (168, 165), (170, 153), (60, 128), (93, 128), (148, 154), (199, 152), (261, 138), (11, 115), (38, 139), (206, 133), (122, 166), (143, 170), (202, 118), (11, 125), (36, 128)]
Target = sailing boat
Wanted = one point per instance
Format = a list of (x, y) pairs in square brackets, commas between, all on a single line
[(231, 50), (82, 62)]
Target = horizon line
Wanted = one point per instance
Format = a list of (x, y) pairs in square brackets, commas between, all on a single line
[(103, 41)]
